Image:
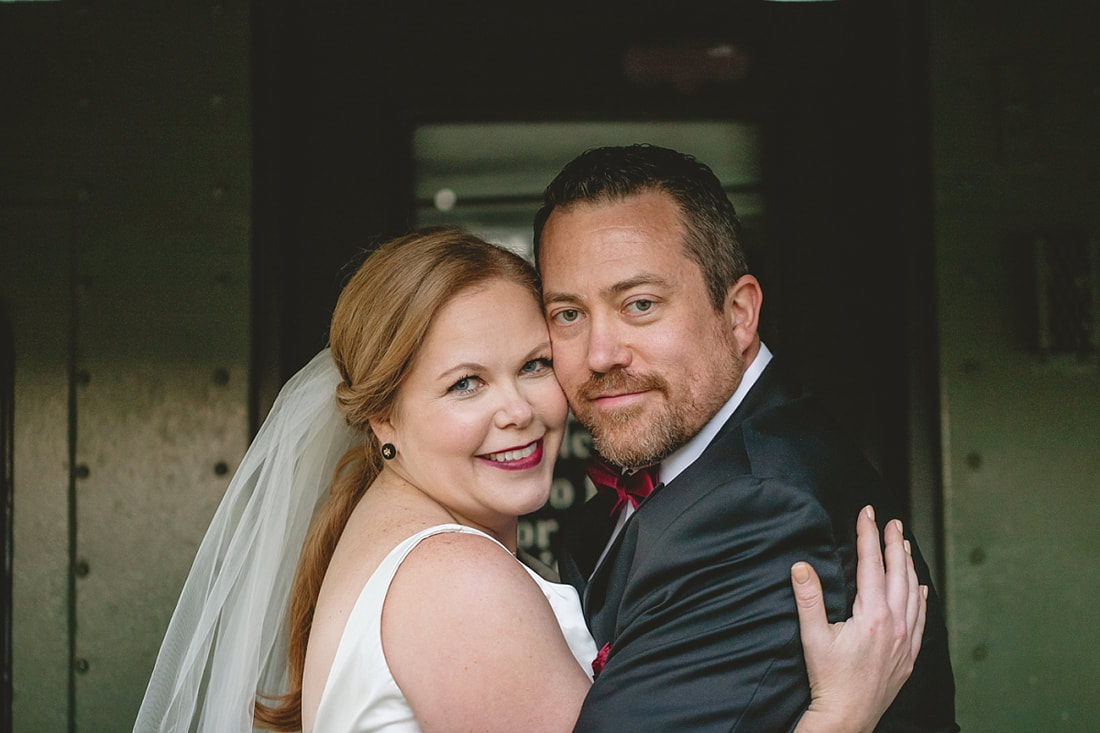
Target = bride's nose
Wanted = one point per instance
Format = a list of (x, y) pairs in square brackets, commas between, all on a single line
[(514, 409)]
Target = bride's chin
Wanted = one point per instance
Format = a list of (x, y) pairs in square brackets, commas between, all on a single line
[(535, 503)]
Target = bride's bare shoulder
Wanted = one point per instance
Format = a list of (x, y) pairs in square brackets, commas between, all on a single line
[(461, 617), (459, 566)]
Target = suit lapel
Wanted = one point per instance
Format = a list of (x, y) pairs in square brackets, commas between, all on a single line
[(586, 540), (603, 560), (597, 591)]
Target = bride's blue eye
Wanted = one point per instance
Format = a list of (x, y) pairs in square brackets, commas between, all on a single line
[(465, 385), (537, 366)]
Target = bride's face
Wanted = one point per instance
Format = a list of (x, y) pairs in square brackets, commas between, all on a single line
[(478, 422)]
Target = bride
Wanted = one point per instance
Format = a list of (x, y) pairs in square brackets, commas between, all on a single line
[(361, 572)]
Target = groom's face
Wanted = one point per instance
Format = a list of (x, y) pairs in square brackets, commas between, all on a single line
[(643, 356)]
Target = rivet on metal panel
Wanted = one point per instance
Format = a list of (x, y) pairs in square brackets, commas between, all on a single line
[(81, 665), (977, 556), (979, 653), (82, 471), (221, 468), (971, 367), (216, 100), (81, 569), (221, 376), (83, 378), (217, 192), (974, 460)]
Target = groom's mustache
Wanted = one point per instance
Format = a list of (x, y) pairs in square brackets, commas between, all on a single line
[(619, 382)]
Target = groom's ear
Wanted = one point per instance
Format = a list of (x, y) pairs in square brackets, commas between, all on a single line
[(742, 310)]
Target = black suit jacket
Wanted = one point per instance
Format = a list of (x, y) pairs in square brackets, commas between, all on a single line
[(694, 595)]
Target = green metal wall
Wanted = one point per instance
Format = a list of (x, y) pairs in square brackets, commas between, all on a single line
[(1016, 115), (125, 198)]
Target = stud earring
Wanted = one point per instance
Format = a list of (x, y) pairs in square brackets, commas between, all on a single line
[(388, 451)]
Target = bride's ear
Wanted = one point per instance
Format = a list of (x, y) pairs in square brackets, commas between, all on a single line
[(383, 429)]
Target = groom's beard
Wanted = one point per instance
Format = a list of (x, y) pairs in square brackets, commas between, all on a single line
[(647, 433), (638, 435)]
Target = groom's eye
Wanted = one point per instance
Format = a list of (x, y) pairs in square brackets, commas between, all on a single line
[(567, 315)]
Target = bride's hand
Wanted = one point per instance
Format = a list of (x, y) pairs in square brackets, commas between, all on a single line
[(856, 667)]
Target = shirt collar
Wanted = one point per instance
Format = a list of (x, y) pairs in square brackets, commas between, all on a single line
[(687, 454)]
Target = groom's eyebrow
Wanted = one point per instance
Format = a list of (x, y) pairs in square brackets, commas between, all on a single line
[(552, 296), (633, 282)]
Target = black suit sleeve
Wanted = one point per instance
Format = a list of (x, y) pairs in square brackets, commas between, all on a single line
[(706, 635)]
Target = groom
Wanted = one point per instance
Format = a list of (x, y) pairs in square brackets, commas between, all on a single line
[(653, 318)]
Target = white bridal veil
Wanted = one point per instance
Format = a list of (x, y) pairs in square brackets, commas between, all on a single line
[(227, 637)]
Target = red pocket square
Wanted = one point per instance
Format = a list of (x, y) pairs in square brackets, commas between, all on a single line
[(601, 659)]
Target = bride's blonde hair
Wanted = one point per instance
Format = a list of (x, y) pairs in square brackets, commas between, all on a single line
[(381, 319)]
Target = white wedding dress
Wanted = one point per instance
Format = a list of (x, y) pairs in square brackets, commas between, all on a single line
[(360, 694)]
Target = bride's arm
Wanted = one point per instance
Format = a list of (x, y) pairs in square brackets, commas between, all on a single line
[(474, 645), (856, 667)]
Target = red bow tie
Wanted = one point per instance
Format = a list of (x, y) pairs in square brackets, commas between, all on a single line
[(632, 487)]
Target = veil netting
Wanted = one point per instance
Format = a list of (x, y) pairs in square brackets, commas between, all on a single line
[(227, 639)]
